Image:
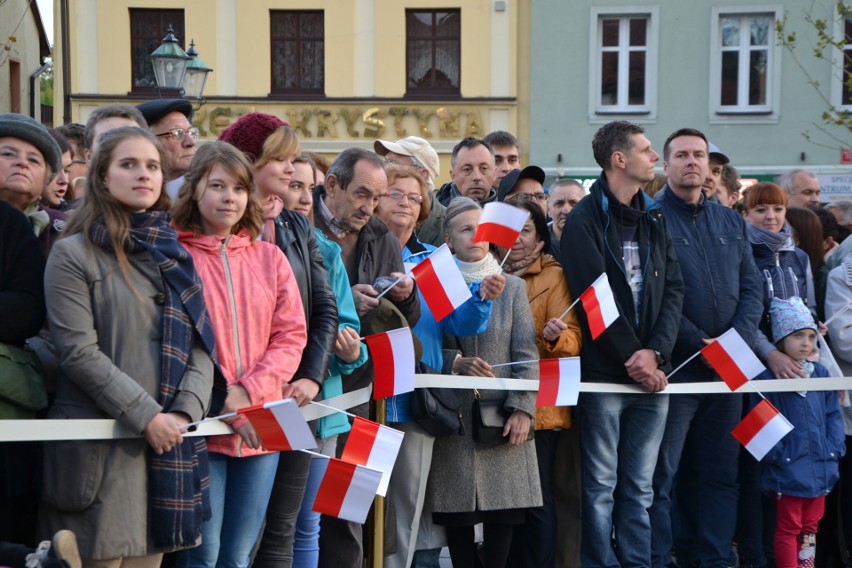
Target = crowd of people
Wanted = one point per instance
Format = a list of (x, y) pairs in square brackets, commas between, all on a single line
[(155, 280)]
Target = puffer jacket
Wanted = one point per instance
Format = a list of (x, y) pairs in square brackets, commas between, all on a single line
[(805, 462), (591, 245), (257, 317), (718, 268), (786, 272), (548, 294)]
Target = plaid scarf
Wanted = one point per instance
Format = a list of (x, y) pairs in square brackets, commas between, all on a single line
[(179, 486)]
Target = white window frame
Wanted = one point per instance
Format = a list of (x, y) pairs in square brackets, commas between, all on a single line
[(599, 113), (837, 66), (728, 114)]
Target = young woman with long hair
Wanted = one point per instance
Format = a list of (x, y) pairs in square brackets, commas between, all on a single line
[(134, 342), (259, 325)]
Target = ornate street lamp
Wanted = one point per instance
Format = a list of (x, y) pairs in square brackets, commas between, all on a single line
[(169, 62), (196, 76)]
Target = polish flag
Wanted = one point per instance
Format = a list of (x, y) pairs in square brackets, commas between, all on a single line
[(599, 304), (441, 283), (375, 446), (500, 224), (761, 429), (559, 383), (347, 491), (735, 362), (392, 353), (280, 426)]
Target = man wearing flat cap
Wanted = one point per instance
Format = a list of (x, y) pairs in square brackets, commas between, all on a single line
[(29, 158), (523, 185), (419, 154), (169, 120)]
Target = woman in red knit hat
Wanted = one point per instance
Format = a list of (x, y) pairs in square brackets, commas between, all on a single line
[(271, 145)]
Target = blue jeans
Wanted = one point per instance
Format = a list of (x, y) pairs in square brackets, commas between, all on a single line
[(239, 494), (306, 540), (695, 483), (620, 435)]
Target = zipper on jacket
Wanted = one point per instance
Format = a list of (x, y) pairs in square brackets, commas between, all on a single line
[(233, 301), (235, 331)]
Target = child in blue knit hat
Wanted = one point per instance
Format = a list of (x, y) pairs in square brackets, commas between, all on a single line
[(803, 467)]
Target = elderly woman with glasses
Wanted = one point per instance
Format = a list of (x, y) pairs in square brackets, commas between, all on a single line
[(406, 203), (524, 185)]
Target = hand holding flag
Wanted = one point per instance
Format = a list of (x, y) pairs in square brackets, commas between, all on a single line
[(280, 425)]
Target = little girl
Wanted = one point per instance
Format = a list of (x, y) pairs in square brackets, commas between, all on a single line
[(803, 467), (260, 331)]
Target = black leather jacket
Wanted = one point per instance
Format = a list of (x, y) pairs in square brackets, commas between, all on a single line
[(294, 236)]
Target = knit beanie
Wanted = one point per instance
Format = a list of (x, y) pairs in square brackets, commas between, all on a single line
[(22, 127), (250, 131), (788, 316)]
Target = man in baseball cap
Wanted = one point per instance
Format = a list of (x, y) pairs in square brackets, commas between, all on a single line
[(418, 153), (523, 185), (169, 120), (718, 159)]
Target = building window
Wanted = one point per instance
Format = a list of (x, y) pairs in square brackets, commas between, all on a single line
[(298, 52), (841, 93), (147, 30), (745, 65), (624, 61), (433, 52)]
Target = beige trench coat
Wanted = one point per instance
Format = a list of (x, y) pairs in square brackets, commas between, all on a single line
[(108, 341)]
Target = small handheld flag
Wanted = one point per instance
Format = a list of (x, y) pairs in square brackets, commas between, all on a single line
[(599, 304), (559, 383), (761, 429), (280, 426), (732, 358), (441, 283), (500, 224), (347, 490), (392, 353), (375, 446)]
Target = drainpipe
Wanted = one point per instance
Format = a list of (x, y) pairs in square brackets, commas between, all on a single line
[(66, 63), (39, 72)]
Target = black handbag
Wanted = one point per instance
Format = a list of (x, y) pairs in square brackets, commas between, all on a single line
[(489, 419), (438, 411)]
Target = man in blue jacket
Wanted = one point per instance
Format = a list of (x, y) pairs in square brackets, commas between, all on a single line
[(619, 230), (698, 449)]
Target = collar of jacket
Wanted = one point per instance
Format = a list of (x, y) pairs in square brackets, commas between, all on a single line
[(597, 190), (668, 196), (449, 191)]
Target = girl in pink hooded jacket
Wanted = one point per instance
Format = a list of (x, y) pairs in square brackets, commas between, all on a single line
[(260, 330)]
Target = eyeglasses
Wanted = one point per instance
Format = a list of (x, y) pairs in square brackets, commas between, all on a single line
[(180, 133), (522, 197), (398, 196)]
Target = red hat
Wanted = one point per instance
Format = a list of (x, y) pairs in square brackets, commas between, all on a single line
[(250, 131)]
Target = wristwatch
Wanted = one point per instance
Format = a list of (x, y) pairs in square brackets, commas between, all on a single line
[(660, 359)]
